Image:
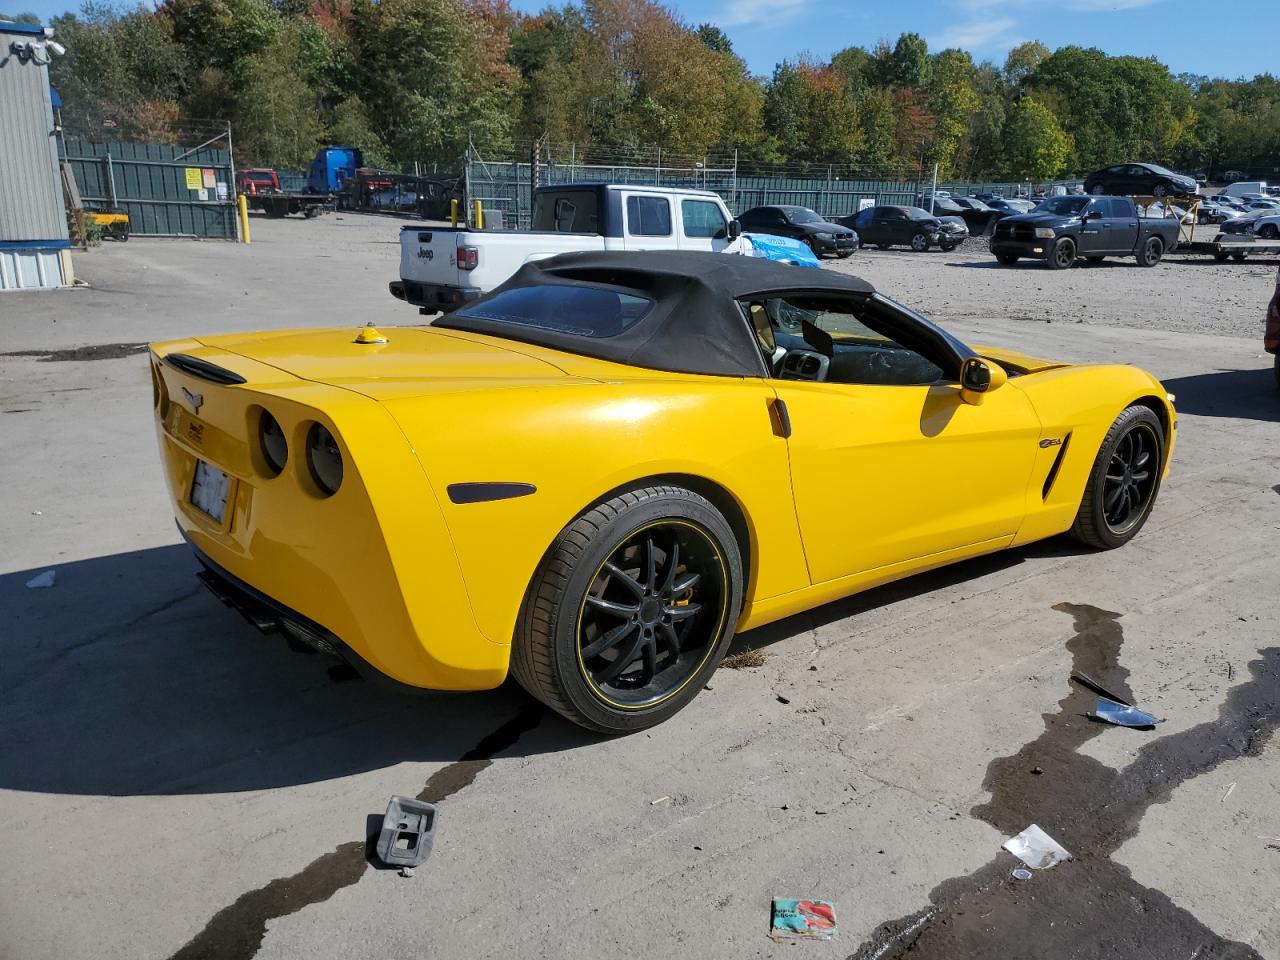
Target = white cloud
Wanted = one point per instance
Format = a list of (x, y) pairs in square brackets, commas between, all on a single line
[(983, 34), (738, 13)]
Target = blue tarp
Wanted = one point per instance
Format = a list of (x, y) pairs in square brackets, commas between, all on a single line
[(784, 249)]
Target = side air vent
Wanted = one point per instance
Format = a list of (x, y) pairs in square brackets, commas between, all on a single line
[(202, 369), (1053, 470)]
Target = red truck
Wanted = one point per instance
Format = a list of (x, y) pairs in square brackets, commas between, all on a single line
[(260, 186)]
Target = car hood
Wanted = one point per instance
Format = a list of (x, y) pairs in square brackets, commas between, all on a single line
[(413, 360), (1017, 362), (1041, 219), (839, 229)]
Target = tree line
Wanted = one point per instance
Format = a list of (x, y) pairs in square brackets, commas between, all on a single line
[(419, 80)]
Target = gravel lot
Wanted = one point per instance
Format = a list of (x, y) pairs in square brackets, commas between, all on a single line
[(172, 784)]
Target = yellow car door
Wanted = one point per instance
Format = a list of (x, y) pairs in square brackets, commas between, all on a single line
[(885, 474), (889, 462)]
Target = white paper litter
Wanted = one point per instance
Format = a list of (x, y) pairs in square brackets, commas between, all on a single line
[(1036, 849), (42, 580)]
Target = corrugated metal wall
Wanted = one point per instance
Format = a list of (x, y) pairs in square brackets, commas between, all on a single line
[(167, 191), (31, 205)]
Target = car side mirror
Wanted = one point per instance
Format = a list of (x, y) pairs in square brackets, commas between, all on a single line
[(735, 229), (979, 377)]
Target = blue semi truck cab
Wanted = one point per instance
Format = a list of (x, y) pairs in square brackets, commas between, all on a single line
[(332, 167)]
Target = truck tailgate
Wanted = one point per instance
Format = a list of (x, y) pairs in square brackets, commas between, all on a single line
[(429, 254)]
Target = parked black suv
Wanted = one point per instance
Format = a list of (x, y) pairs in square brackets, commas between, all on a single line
[(917, 228), (1064, 228), (1139, 180), (822, 236)]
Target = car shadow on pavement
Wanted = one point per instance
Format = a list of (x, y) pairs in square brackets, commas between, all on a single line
[(906, 589), (1242, 394), (126, 677)]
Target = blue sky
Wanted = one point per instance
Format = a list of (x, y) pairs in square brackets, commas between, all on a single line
[(765, 31)]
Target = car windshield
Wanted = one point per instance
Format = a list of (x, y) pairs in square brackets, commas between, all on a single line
[(915, 213), (1062, 205), (1156, 168), (802, 215), (583, 311)]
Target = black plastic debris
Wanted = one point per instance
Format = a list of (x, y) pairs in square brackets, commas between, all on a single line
[(1087, 681), (408, 830)]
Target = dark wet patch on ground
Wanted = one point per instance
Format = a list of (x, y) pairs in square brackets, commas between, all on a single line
[(236, 932), (1089, 907), (101, 351)]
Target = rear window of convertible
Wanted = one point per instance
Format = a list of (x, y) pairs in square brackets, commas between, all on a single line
[(582, 311)]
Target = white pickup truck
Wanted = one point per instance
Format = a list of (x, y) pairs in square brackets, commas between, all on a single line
[(442, 268)]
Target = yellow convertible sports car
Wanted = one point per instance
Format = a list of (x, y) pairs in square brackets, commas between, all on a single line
[(595, 474)]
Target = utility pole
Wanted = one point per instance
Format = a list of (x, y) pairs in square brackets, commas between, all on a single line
[(933, 193)]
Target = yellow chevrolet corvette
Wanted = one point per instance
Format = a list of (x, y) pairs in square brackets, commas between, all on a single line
[(594, 475)]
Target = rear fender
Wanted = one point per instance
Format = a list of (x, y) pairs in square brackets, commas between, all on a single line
[(576, 444)]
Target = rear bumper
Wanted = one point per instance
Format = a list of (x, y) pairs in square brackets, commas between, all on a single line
[(433, 296), (369, 573)]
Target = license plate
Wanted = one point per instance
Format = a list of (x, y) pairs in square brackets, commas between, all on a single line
[(209, 490)]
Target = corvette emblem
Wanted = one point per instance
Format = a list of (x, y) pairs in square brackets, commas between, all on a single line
[(195, 399)]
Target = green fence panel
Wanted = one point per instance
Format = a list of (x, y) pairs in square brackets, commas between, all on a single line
[(167, 191)]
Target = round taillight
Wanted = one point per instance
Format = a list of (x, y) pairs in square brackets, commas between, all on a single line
[(272, 442), (324, 458)]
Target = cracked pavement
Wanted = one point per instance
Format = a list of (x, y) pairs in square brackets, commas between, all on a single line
[(161, 762)]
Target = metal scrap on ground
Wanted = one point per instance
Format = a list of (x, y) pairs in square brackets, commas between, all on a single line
[(1123, 715), (1036, 849)]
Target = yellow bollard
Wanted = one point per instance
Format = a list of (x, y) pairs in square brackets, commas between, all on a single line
[(479, 216), (243, 206), (453, 212)]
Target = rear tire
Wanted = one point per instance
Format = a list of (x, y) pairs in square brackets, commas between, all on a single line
[(1160, 191), (1097, 189), (603, 577), (1268, 231), (1151, 252), (1062, 255), (1123, 482)]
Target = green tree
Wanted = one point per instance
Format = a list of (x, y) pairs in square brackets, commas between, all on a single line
[(1023, 60), (910, 61), (278, 120), (1035, 145)]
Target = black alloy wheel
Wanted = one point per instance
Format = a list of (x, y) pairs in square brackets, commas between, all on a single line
[(1063, 254), (1124, 481), (1130, 480), (630, 610), (1151, 252), (1159, 190), (651, 615)]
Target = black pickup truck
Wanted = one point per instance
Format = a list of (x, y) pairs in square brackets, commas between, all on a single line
[(1063, 228)]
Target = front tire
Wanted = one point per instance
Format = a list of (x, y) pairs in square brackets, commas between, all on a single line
[(1151, 252), (1268, 231), (920, 242), (1124, 481), (1006, 259), (1062, 255), (631, 610)]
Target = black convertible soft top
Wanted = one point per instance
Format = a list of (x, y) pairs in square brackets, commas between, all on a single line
[(694, 325)]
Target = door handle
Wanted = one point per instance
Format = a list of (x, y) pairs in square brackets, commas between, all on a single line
[(780, 418)]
